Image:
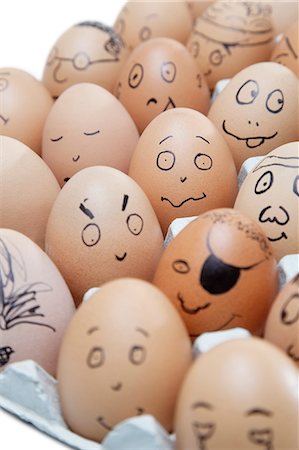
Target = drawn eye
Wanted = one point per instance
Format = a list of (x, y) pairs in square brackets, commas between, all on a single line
[(96, 357), (181, 266), (137, 354), (264, 182), (216, 58), (81, 61), (135, 76), (296, 185), (247, 92), (135, 224), (203, 161), (3, 84), (168, 71), (290, 312), (194, 49), (145, 33), (165, 160), (275, 101), (91, 234)]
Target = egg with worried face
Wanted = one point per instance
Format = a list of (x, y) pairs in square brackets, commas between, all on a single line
[(242, 394), (282, 326), (35, 303), (87, 126), (257, 110), (160, 74), (87, 52), (102, 226), (125, 353), (184, 165), (270, 196), (219, 272)]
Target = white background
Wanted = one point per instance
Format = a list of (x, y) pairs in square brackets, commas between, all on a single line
[(28, 30)]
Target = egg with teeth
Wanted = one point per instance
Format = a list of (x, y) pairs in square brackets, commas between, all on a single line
[(102, 226)]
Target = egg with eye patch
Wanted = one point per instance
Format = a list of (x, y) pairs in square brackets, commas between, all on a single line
[(257, 110), (87, 126), (102, 226)]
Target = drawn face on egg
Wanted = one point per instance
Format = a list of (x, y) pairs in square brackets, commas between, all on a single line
[(270, 194), (257, 110), (207, 269), (286, 50)]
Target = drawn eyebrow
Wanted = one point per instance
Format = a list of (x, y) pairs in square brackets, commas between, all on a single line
[(92, 133), (165, 139), (203, 139), (56, 139), (93, 329), (291, 48), (201, 405), (86, 210), (142, 331), (294, 162), (125, 202), (262, 411)]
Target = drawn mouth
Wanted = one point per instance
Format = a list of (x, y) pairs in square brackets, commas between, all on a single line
[(291, 353), (184, 201), (4, 120), (121, 258), (261, 437), (104, 424), (76, 158), (227, 322), (117, 387), (188, 310), (203, 431), (169, 104), (282, 236), (251, 142)]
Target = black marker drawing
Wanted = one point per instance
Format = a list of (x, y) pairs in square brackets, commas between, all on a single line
[(262, 438), (137, 354), (194, 199), (18, 306), (264, 183), (168, 71), (91, 233), (5, 353), (203, 431), (135, 75), (275, 101), (96, 357), (265, 216), (248, 92), (250, 141), (135, 224)]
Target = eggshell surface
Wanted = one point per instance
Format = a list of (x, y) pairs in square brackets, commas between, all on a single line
[(286, 50), (229, 36), (242, 394), (87, 52), (184, 165), (219, 273), (125, 353), (257, 111), (160, 74), (270, 196), (28, 189), (35, 303), (282, 325), (24, 106), (102, 226), (87, 126), (139, 21)]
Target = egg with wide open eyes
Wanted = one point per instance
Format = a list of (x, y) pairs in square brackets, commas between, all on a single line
[(102, 226), (124, 354), (87, 126), (160, 74), (219, 272)]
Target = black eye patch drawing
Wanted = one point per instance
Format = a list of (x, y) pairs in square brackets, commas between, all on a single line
[(218, 277), (248, 92), (135, 76), (168, 71), (18, 306)]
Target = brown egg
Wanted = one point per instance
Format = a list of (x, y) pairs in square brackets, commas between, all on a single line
[(286, 50), (219, 273), (282, 325), (124, 354), (270, 196), (24, 106), (28, 189), (139, 21), (184, 165), (35, 303), (198, 7), (87, 126), (102, 226), (86, 52), (160, 74), (242, 394), (229, 36), (257, 111), (284, 13)]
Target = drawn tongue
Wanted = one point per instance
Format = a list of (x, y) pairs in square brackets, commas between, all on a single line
[(254, 142)]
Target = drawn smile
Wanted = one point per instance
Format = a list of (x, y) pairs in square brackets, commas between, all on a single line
[(101, 420), (76, 158), (292, 354), (169, 104), (184, 201), (121, 258), (4, 120), (188, 310), (251, 142), (227, 322), (282, 236)]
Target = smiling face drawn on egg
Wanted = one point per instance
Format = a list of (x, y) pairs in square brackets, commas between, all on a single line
[(207, 269)]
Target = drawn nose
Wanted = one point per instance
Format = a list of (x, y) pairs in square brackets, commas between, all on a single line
[(277, 215), (58, 73), (252, 123), (183, 179), (116, 387)]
